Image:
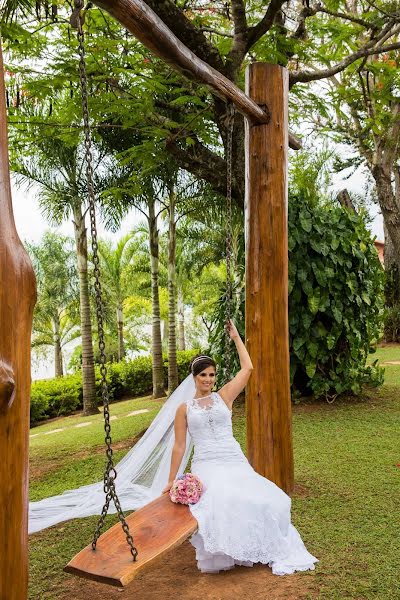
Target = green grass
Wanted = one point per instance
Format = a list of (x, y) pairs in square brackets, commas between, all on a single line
[(62, 454), (388, 353), (384, 353), (346, 457)]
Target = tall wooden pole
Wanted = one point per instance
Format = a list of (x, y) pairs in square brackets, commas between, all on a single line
[(17, 299), (269, 430)]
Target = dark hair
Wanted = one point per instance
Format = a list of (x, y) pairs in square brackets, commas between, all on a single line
[(201, 362)]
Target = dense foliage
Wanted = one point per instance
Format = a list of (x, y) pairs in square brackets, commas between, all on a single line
[(335, 300)]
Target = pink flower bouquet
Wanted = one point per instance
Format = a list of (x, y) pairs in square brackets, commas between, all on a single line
[(186, 489)]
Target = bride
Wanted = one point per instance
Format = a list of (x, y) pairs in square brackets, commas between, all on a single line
[(243, 518)]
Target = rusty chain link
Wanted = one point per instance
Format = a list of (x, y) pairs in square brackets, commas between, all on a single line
[(110, 473)]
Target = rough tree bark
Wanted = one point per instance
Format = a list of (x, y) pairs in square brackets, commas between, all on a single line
[(158, 373), (120, 326), (172, 362), (181, 321), (17, 300), (58, 361), (88, 375)]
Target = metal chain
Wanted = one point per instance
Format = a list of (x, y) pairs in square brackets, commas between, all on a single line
[(110, 473), (229, 236)]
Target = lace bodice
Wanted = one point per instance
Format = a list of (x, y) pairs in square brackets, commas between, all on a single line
[(210, 426)]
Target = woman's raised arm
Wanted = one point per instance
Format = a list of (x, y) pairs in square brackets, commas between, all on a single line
[(232, 389)]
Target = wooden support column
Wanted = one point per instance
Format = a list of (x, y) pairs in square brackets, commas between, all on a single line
[(269, 429), (17, 299)]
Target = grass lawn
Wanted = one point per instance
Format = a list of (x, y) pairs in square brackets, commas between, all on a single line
[(347, 458)]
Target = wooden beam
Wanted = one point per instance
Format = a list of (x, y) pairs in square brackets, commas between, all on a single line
[(269, 430), (149, 29), (17, 299)]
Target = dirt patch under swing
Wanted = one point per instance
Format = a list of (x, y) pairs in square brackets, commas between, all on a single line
[(177, 576)]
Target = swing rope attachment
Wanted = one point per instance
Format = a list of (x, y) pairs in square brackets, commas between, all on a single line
[(110, 473), (230, 120)]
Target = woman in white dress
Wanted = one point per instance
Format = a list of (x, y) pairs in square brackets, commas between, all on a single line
[(243, 518)]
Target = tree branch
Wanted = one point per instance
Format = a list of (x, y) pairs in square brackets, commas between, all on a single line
[(300, 32), (347, 17), (254, 33), (239, 47), (203, 163), (367, 50), (216, 32), (184, 30)]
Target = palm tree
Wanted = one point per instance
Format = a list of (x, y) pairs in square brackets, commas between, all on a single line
[(115, 263), (56, 331), (143, 195), (57, 168), (54, 323)]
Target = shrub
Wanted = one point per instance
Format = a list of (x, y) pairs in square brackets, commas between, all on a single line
[(55, 397), (61, 396), (335, 300)]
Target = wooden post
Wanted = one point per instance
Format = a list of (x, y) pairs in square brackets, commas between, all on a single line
[(269, 430), (17, 299)]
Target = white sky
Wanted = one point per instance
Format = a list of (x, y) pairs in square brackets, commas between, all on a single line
[(31, 225)]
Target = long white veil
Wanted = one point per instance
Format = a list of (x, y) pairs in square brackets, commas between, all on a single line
[(142, 473)]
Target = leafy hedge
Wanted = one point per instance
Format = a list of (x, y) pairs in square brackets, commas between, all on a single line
[(61, 396), (335, 301)]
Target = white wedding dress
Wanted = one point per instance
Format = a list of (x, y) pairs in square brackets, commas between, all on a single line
[(243, 518)]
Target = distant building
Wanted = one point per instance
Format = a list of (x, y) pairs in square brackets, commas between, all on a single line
[(380, 248)]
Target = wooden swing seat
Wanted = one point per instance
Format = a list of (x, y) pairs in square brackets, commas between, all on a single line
[(156, 528)]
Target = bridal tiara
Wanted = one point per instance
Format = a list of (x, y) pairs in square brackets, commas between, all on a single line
[(202, 357)]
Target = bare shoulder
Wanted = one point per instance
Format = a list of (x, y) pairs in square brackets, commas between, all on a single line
[(181, 410)]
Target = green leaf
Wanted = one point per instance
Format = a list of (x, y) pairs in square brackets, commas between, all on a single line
[(330, 341), (314, 300), (311, 365), (366, 298), (305, 220), (335, 244)]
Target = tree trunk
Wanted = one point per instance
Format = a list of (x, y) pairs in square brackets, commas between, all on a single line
[(165, 334), (158, 371), (120, 324), (173, 379), (388, 198), (58, 363), (88, 376), (17, 300), (388, 204), (389, 253), (181, 321)]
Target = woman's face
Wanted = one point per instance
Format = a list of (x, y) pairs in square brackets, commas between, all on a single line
[(205, 380)]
